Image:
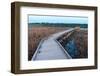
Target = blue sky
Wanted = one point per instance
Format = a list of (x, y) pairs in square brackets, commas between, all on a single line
[(57, 19)]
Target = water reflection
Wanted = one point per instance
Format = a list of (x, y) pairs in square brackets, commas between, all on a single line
[(71, 48)]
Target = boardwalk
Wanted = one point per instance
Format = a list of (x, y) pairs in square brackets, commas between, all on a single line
[(50, 50)]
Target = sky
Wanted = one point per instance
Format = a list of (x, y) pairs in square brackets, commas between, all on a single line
[(57, 19)]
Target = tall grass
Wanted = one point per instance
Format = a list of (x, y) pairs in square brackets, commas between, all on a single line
[(81, 40)]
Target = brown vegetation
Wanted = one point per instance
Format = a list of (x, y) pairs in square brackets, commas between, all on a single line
[(81, 40), (35, 34)]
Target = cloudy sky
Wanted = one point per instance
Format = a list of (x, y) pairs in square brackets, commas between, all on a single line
[(57, 19)]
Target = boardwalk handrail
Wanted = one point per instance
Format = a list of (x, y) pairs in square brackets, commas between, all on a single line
[(69, 57), (67, 32), (34, 55)]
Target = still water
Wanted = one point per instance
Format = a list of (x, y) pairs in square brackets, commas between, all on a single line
[(71, 48)]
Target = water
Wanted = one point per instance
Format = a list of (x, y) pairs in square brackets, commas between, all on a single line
[(71, 48)]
